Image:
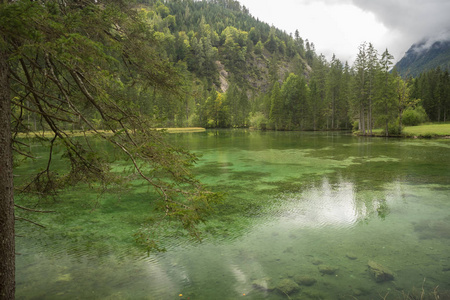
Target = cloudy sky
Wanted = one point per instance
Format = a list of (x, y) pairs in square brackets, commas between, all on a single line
[(340, 26)]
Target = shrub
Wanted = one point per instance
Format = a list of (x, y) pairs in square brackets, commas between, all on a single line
[(193, 120), (414, 116), (258, 120), (394, 128), (355, 126)]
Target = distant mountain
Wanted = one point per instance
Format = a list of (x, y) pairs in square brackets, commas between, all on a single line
[(425, 56)]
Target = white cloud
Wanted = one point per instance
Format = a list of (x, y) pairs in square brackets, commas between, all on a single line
[(340, 26), (410, 21), (426, 44), (333, 27)]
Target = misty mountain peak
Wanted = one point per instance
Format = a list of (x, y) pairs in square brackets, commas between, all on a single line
[(425, 55)]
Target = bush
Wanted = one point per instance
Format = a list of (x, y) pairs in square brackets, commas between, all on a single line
[(414, 116), (258, 120), (193, 120), (394, 128)]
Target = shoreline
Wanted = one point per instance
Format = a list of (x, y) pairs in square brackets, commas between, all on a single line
[(76, 133)]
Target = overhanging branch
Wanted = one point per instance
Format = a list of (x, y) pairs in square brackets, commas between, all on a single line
[(34, 210)]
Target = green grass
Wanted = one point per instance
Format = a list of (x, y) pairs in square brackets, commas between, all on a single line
[(421, 131), (185, 129), (90, 133), (428, 130)]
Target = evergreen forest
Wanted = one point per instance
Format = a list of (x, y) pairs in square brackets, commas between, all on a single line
[(232, 70), (240, 72), (117, 70)]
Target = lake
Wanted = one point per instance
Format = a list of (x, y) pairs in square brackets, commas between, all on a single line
[(304, 216)]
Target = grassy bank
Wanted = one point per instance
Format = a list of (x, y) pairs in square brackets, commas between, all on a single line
[(185, 129), (422, 131), (83, 133), (428, 130)]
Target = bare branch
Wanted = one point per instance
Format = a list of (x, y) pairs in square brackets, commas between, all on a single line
[(23, 153), (26, 220), (21, 143), (34, 210), (86, 93)]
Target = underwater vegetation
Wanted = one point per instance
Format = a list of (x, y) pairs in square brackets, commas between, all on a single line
[(433, 229)]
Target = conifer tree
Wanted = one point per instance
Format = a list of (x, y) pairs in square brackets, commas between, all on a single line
[(71, 61), (387, 100), (276, 116), (360, 86), (334, 82)]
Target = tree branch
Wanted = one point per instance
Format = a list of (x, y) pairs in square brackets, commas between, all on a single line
[(26, 220), (23, 153), (34, 210)]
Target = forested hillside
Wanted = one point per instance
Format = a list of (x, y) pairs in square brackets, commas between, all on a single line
[(433, 90), (230, 70), (240, 72), (228, 59)]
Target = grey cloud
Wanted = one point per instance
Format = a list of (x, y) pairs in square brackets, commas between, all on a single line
[(408, 21), (413, 17), (411, 21), (428, 42)]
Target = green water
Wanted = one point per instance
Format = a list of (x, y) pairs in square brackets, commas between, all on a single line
[(297, 205)]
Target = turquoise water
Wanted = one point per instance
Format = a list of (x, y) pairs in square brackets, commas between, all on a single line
[(304, 214)]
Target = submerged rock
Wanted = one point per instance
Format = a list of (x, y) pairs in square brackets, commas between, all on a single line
[(264, 285), (287, 286), (359, 292), (313, 294), (305, 280), (64, 277), (436, 229), (379, 272), (289, 250), (327, 270), (351, 256)]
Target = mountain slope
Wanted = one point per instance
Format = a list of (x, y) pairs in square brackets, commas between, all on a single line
[(240, 46), (425, 56)]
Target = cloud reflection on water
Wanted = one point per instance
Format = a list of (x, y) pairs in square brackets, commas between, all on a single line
[(324, 205)]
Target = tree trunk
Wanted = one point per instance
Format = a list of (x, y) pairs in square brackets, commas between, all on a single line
[(7, 246), (361, 120), (187, 111), (386, 108), (368, 120), (369, 117), (333, 111), (386, 129)]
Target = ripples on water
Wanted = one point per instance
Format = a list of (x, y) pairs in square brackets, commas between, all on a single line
[(297, 206), (322, 206)]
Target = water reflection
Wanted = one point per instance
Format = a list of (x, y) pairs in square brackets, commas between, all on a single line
[(324, 205), (325, 235)]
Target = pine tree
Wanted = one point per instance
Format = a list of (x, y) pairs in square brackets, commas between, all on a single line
[(334, 82), (75, 64), (372, 71), (276, 116), (387, 100), (360, 85)]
